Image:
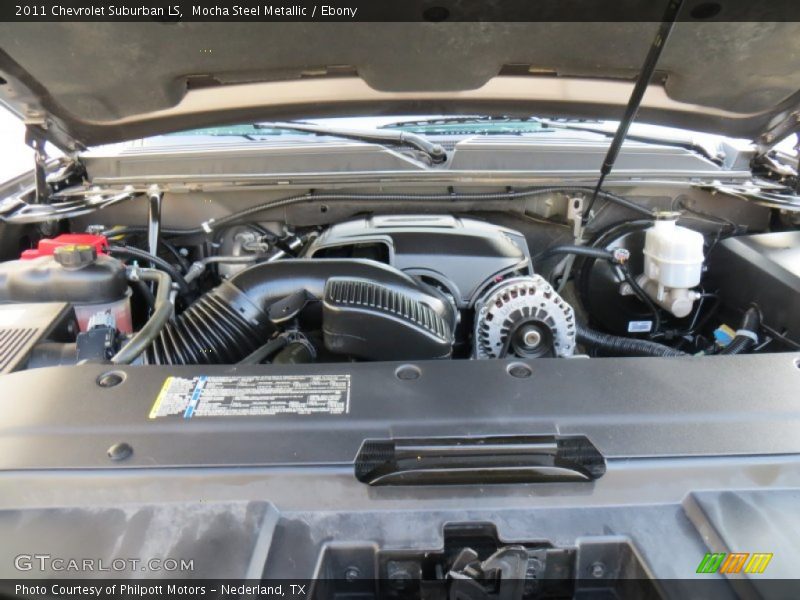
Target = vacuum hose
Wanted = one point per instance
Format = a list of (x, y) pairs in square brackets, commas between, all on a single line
[(233, 320), (623, 346), (135, 253)]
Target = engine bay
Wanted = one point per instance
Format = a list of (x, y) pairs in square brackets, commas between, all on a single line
[(401, 285)]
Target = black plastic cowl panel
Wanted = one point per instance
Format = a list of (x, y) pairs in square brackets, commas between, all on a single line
[(372, 320)]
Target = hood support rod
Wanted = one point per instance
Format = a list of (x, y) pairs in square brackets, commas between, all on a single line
[(645, 75)]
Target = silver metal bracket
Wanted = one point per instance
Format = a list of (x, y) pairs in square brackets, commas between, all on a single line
[(575, 208), (154, 196), (36, 140)]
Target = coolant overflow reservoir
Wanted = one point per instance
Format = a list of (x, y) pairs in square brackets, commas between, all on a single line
[(673, 264), (93, 283)]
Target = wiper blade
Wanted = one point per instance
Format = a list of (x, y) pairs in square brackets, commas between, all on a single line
[(471, 125), (436, 152), (447, 120), (502, 459)]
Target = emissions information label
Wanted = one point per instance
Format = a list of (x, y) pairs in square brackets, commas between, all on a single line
[(257, 395)]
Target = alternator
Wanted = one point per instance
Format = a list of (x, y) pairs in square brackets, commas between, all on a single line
[(523, 317)]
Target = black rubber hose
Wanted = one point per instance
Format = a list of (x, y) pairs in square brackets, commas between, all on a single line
[(622, 346), (390, 197), (158, 262), (215, 224), (116, 232), (144, 291), (175, 253), (155, 324), (747, 335), (586, 251), (267, 350), (128, 231), (645, 299)]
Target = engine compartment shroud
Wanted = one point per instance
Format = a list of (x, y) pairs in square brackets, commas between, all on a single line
[(61, 418)]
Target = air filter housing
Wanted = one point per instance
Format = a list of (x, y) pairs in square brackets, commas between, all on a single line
[(374, 321)]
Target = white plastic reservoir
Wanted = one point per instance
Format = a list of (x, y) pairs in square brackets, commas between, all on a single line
[(673, 255)]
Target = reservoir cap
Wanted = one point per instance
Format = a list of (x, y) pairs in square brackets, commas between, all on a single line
[(75, 256)]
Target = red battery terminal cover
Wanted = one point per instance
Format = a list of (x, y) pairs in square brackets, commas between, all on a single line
[(47, 247)]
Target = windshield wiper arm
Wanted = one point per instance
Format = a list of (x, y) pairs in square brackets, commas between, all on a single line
[(647, 139), (400, 138), (537, 125), (501, 459), (639, 88)]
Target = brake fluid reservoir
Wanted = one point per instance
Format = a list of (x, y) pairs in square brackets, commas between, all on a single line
[(673, 255), (673, 264)]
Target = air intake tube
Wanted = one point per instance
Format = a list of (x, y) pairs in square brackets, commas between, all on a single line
[(233, 320)]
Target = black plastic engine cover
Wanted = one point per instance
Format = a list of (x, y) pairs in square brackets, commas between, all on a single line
[(763, 269), (461, 255), (372, 320)]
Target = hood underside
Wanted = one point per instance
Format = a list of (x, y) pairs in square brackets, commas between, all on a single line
[(94, 83)]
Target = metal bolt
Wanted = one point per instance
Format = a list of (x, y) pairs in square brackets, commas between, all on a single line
[(598, 569), (120, 451), (114, 378), (621, 255), (407, 372), (399, 577), (519, 370), (532, 338), (352, 573)]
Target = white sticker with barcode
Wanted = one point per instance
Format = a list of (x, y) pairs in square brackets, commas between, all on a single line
[(260, 395), (640, 326)]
